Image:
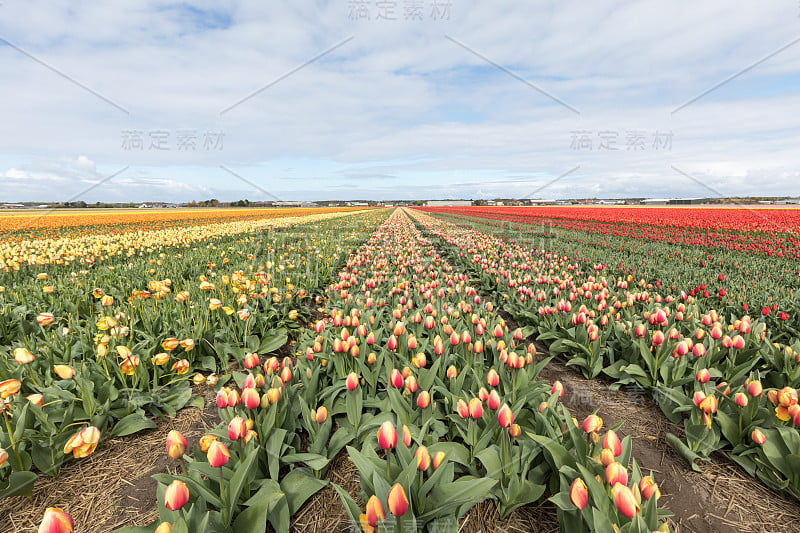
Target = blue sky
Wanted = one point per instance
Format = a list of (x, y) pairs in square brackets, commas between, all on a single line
[(463, 99)]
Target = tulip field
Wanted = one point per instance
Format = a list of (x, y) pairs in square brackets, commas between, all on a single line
[(410, 346)]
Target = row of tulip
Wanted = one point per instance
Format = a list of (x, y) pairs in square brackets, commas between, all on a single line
[(733, 387), (434, 400), (98, 353)]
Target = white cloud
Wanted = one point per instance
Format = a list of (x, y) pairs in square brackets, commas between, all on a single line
[(399, 109)]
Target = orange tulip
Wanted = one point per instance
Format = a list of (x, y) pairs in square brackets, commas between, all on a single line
[(83, 443), (56, 521), (181, 367), (406, 436), (3, 456), (164, 527), (187, 344), (64, 371), (321, 415), (170, 344), (397, 502), (438, 457), (758, 436), (206, 441), (45, 319), (176, 495), (462, 408), (578, 493), (9, 387), (648, 488), (23, 356), (492, 378)]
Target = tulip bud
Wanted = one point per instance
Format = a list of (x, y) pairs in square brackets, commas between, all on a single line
[(703, 375), (176, 444), (475, 408), (624, 500), (758, 436), (9, 387), (164, 527), (176, 495), (616, 473), (558, 388), (592, 424), (424, 399), (504, 416), (56, 521), (754, 388), (515, 430), (648, 488), (250, 398), (578, 493), (462, 408), (452, 373), (375, 511), (493, 400), (321, 415), (423, 458), (396, 379), (492, 378), (237, 428), (206, 441), (606, 457), (741, 399), (352, 381), (397, 502), (387, 436), (406, 436), (438, 457), (218, 454), (611, 441)]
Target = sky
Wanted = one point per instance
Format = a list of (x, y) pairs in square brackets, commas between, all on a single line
[(408, 99)]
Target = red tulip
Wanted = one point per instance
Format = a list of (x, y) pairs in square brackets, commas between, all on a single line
[(176, 495), (176, 444), (703, 375), (397, 502), (611, 442), (423, 458), (218, 454), (438, 457), (648, 488), (375, 511), (616, 473), (624, 500), (56, 521), (406, 436), (492, 379), (423, 399), (462, 408), (578, 493), (475, 408), (387, 436), (237, 428), (493, 400), (758, 436), (352, 381), (396, 379), (592, 424), (504, 416)]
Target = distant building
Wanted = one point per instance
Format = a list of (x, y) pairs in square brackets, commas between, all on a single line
[(655, 201), (448, 203)]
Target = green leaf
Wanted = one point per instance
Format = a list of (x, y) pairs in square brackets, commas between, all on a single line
[(313, 460), (239, 478), (254, 518), (150, 528), (271, 343), (299, 486), (684, 451), (132, 423), (20, 484)]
